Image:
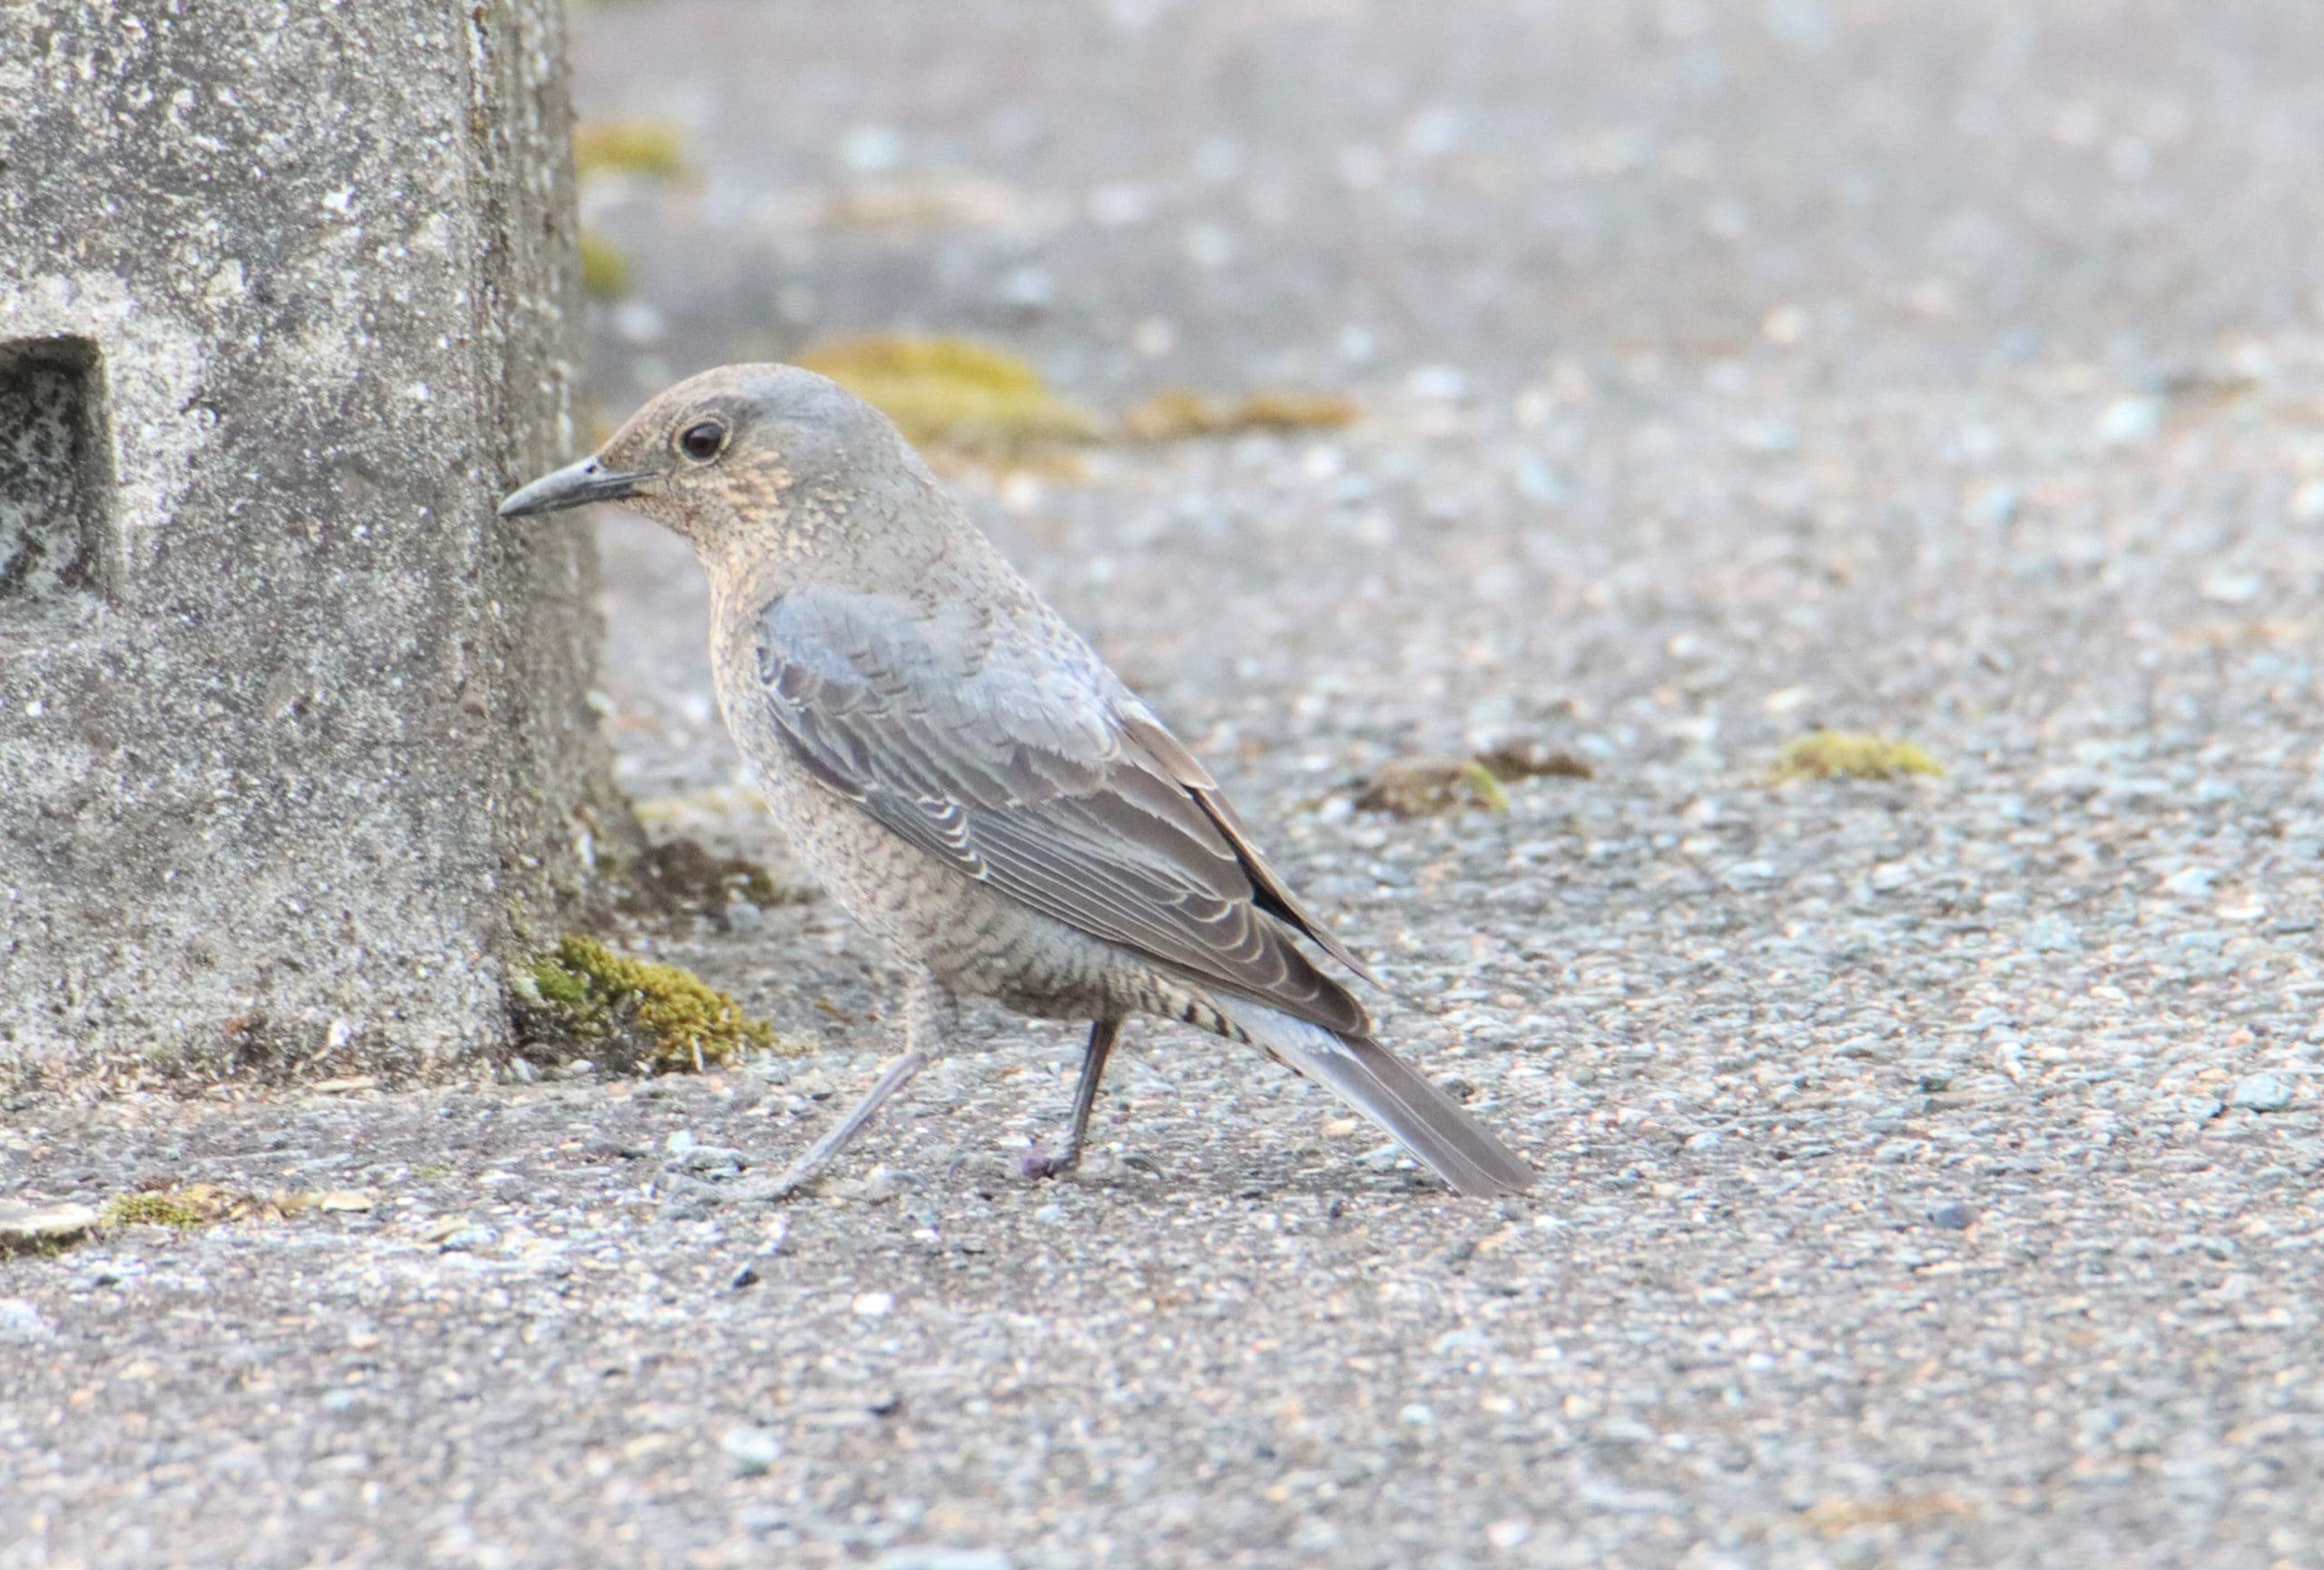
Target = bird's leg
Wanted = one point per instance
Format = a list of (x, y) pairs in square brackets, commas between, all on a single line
[(928, 1009), (1039, 1164)]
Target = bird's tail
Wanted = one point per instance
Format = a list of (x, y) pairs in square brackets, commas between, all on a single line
[(1386, 1088)]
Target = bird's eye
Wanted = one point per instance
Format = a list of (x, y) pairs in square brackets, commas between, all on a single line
[(703, 441)]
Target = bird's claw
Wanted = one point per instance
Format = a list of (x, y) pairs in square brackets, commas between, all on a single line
[(1037, 1163)]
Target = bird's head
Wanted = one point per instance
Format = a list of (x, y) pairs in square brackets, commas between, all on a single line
[(725, 456)]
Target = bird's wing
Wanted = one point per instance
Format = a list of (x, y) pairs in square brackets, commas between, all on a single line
[(1026, 765)]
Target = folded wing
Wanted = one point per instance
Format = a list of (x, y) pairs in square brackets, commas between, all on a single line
[(1024, 763)]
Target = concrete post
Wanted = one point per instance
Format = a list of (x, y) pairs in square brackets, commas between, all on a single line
[(295, 747)]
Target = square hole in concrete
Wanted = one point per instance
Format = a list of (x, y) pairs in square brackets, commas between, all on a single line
[(55, 473)]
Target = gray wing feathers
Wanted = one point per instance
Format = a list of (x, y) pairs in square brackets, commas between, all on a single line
[(1026, 764)]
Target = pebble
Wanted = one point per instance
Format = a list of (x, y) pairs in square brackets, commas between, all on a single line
[(21, 1322), (2128, 421), (1951, 1216), (872, 1304), (36, 1226), (1505, 1535), (931, 1556), (1437, 384), (750, 1448), (2262, 1094), (2051, 936), (2190, 883)]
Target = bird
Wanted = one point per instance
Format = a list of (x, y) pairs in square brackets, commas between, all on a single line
[(963, 773)]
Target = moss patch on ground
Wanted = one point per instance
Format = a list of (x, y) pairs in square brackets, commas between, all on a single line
[(629, 1015), (172, 1204), (1842, 755), (646, 147), (155, 1210), (605, 272), (955, 393), (1177, 414), (1425, 787)]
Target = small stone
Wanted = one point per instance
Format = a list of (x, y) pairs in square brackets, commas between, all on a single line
[(2262, 1094), (2196, 1109), (2190, 883), (931, 1556), (750, 1448), (1749, 876), (1030, 289), (873, 1305), (1437, 384), (2228, 587), (1504, 1536), (467, 1239), (871, 149), (2128, 421), (1416, 1416), (43, 1226), (1951, 1216), (2051, 936), (21, 1322)]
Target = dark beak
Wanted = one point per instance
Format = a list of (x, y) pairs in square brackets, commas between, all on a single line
[(575, 485)]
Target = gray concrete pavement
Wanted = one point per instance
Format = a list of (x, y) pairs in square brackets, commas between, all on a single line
[(1929, 1168)]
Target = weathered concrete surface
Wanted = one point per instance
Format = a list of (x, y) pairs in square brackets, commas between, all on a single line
[(292, 740)]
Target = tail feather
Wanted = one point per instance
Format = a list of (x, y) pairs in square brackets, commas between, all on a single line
[(1386, 1088)]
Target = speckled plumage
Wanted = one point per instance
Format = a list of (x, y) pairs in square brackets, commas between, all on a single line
[(962, 771)]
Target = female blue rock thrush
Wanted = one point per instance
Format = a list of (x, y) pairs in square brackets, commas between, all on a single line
[(966, 776)]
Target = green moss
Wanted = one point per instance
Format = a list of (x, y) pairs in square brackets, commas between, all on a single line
[(951, 392), (1175, 414), (605, 272), (1425, 787), (152, 1210), (632, 1014), (1485, 786), (1840, 754), (646, 147)]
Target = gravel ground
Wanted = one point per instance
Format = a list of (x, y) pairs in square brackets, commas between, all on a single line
[(1929, 1167)]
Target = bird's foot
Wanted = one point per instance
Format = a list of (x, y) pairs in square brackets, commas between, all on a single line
[(764, 1190), (1037, 1163)]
